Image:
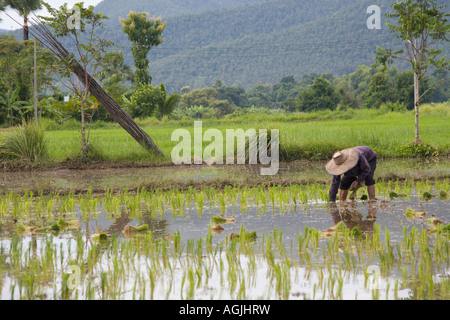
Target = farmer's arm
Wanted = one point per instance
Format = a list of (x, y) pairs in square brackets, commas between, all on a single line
[(364, 166), (334, 188)]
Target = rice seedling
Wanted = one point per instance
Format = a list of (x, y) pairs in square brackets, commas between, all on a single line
[(428, 196), (222, 220), (411, 214)]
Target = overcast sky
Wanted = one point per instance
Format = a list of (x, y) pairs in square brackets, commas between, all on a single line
[(7, 23)]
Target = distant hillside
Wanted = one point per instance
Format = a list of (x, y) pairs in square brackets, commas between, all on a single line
[(245, 42), (166, 8)]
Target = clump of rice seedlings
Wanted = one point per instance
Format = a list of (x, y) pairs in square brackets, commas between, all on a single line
[(428, 196), (22, 228), (100, 237), (352, 194), (364, 197), (75, 224), (55, 227), (411, 213), (221, 220), (393, 195), (243, 235), (443, 195)]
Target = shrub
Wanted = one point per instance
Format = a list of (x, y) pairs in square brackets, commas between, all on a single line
[(392, 107), (418, 150), (26, 142), (92, 153)]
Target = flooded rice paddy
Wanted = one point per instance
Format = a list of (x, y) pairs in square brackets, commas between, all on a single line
[(277, 242)]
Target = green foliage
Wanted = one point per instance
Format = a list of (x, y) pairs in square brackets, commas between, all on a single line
[(195, 112), (320, 95), (422, 24), (11, 108), (144, 34), (26, 142), (392, 107), (379, 91), (167, 103), (113, 72), (198, 97), (418, 150), (145, 100)]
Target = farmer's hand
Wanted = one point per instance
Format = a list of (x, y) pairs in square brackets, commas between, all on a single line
[(354, 185)]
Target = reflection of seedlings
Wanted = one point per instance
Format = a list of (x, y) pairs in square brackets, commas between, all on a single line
[(437, 226), (142, 228), (62, 223), (443, 195), (411, 213), (131, 231), (100, 237), (21, 228), (434, 221), (217, 229), (246, 236), (341, 229)]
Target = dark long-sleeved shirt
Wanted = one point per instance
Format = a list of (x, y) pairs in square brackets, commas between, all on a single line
[(361, 170)]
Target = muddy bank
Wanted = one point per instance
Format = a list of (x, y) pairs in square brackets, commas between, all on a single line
[(100, 177)]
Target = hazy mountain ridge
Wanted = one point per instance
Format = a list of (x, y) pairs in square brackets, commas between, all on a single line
[(253, 41)]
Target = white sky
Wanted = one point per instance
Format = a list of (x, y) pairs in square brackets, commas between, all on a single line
[(8, 24)]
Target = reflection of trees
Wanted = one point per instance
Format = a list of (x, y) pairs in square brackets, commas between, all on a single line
[(421, 290), (347, 213), (158, 227)]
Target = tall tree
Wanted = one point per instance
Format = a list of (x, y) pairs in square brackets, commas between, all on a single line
[(144, 34), (421, 24), (24, 7), (319, 96)]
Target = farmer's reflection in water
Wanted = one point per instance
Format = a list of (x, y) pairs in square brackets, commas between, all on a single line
[(347, 213)]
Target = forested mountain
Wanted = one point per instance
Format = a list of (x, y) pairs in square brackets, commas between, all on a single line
[(166, 8), (245, 42)]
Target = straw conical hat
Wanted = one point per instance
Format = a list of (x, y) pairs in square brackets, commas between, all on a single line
[(342, 161)]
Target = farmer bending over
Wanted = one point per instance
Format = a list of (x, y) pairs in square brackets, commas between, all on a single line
[(357, 165)]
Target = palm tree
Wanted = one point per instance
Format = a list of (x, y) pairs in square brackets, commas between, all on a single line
[(167, 103), (13, 105), (25, 7)]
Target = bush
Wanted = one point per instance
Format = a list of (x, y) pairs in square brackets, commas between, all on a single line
[(25, 142), (93, 153), (392, 107), (418, 150)]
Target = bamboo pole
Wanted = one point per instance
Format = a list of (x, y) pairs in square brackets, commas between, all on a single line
[(112, 107)]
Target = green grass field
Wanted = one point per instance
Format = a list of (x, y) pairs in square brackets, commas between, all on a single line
[(302, 136)]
